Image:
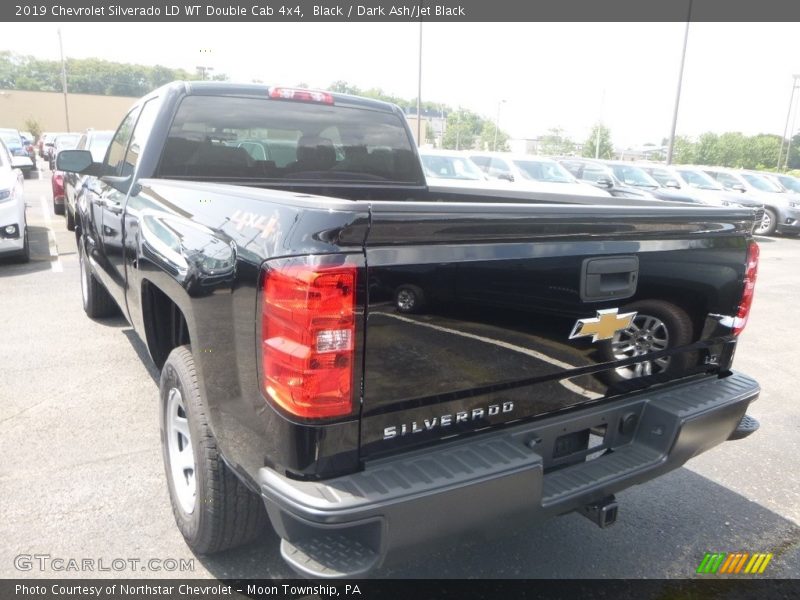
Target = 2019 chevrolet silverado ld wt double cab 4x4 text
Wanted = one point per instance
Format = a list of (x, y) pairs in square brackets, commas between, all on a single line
[(382, 364)]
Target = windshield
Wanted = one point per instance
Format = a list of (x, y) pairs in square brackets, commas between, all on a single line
[(450, 167), (662, 176), (540, 170), (99, 144), (761, 183), (699, 180), (634, 176), (790, 183), (11, 138), (229, 138), (67, 141)]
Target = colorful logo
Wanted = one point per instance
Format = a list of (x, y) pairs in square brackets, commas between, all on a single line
[(734, 563)]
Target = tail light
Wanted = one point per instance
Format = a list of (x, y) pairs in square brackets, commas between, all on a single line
[(308, 336), (750, 273), (58, 183)]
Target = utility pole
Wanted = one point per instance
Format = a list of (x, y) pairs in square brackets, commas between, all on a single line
[(419, 90), (795, 78), (64, 79), (671, 146), (497, 125)]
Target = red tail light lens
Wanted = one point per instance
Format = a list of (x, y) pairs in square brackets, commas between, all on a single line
[(308, 336), (301, 95), (746, 302)]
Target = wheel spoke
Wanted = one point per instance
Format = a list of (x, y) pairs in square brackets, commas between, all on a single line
[(181, 426)]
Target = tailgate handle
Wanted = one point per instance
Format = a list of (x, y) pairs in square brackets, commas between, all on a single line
[(609, 278)]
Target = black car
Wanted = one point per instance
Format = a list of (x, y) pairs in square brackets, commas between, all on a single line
[(97, 143), (601, 175)]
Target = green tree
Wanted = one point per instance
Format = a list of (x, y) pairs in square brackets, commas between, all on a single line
[(684, 151), (590, 146), (706, 150), (34, 127), (731, 148), (492, 138), (556, 143), (463, 129)]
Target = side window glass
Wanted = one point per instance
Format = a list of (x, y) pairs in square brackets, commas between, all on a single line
[(141, 133), (119, 144), (499, 167)]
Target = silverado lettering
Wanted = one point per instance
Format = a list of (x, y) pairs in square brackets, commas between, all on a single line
[(446, 420)]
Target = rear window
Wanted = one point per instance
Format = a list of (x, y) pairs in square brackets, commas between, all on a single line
[(227, 138)]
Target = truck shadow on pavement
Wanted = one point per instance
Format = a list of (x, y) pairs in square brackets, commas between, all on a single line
[(40, 255), (664, 530)]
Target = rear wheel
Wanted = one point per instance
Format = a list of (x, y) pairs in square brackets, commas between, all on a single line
[(213, 509), (657, 326), (97, 302), (768, 223), (409, 299), (24, 254), (70, 218)]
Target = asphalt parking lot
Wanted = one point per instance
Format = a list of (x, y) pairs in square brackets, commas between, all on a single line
[(82, 477)]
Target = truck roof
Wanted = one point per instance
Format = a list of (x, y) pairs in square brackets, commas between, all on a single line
[(227, 88)]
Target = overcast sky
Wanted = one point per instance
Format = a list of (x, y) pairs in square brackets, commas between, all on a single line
[(738, 75)]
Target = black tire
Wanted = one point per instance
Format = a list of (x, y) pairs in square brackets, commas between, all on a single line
[(679, 329), (25, 254), (409, 299), (768, 224), (225, 513), (58, 209), (70, 218), (97, 302)]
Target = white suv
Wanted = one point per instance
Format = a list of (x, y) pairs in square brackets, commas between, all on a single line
[(13, 227)]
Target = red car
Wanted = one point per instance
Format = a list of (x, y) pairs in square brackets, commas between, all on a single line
[(57, 182)]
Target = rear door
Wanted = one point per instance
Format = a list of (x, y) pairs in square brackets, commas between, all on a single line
[(480, 316)]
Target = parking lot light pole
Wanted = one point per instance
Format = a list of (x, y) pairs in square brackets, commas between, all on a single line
[(786, 131), (497, 125), (63, 79)]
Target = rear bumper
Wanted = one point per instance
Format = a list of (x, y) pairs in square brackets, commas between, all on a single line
[(348, 525)]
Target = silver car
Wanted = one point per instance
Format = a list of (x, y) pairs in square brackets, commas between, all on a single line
[(13, 226)]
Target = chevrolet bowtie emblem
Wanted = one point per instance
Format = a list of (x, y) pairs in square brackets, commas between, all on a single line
[(603, 326)]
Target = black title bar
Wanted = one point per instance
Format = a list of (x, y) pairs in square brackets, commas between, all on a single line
[(398, 10)]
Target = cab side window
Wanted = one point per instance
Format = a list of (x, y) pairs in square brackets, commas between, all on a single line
[(144, 125), (115, 157)]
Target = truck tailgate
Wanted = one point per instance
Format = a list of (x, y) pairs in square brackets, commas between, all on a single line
[(480, 314)]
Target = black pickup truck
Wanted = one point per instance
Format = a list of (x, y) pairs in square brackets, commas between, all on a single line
[(369, 364)]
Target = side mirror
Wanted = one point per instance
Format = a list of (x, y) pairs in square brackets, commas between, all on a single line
[(671, 183), (74, 161), (505, 176), (604, 182), (738, 187)]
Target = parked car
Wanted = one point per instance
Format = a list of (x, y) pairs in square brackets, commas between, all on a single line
[(695, 182), (601, 176), (634, 176), (532, 173), (64, 141), (451, 168), (781, 209), (291, 394), (16, 147), (97, 143), (30, 146), (789, 183), (44, 143), (13, 224)]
